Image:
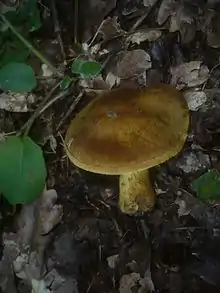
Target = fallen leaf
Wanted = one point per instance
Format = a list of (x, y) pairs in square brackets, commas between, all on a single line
[(129, 281), (112, 80), (112, 261), (166, 9), (189, 74), (92, 13), (192, 162), (50, 213), (14, 102), (143, 35), (184, 22), (149, 3), (207, 186), (110, 28), (190, 205), (38, 286), (195, 99), (131, 63)]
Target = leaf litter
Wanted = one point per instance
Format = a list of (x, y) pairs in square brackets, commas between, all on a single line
[(87, 241)]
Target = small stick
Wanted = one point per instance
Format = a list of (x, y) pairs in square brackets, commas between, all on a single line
[(30, 46), (76, 20), (57, 28), (71, 109), (27, 126)]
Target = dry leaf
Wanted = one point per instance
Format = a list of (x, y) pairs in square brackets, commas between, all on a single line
[(110, 28), (93, 12), (112, 80), (195, 99), (149, 3), (129, 281), (113, 261), (189, 74), (143, 35), (132, 63), (50, 213), (184, 22), (192, 162), (167, 8), (14, 102)]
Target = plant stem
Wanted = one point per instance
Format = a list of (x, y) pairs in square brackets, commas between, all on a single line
[(30, 46), (27, 126)]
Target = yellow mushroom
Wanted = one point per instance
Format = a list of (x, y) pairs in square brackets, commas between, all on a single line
[(126, 132)]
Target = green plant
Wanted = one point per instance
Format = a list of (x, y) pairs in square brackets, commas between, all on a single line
[(85, 68), (25, 17), (207, 186), (22, 169)]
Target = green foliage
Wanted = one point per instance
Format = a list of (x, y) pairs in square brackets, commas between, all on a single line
[(207, 186), (17, 77), (86, 69), (25, 17), (22, 169), (66, 82)]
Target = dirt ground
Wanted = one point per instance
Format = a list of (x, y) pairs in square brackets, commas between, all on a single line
[(174, 248)]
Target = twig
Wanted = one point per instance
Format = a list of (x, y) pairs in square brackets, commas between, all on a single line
[(141, 18), (57, 28), (71, 109), (210, 73), (27, 126), (30, 46), (76, 20), (96, 34)]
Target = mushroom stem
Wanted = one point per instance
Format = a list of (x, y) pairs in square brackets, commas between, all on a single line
[(136, 192)]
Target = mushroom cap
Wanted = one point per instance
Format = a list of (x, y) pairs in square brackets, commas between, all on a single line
[(127, 130)]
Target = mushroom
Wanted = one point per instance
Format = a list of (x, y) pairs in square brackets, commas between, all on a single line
[(126, 132)]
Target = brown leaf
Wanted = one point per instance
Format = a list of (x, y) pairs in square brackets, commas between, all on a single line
[(143, 35), (131, 63), (92, 13), (189, 74), (167, 8)]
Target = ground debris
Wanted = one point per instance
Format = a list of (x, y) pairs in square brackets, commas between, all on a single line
[(189, 74), (26, 247), (14, 102)]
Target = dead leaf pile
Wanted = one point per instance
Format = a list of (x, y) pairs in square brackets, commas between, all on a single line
[(14, 102), (24, 250)]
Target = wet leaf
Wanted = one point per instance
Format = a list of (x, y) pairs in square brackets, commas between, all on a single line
[(17, 77), (22, 169), (207, 186)]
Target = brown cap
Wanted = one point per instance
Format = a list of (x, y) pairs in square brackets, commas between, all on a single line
[(125, 130)]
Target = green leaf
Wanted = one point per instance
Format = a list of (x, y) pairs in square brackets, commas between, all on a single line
[(30, 14), (76, 66), (207, 186), (66, 82), (22, 169), (17, 77), (90, 69), (86, 69)]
